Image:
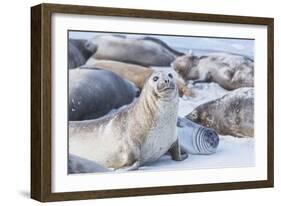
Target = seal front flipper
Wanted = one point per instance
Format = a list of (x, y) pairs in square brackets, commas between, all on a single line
[(132, 167), (176, 153), (200, 81), (203, 78), (206, 79)]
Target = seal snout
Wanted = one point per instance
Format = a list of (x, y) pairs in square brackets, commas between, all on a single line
[(164, 81)]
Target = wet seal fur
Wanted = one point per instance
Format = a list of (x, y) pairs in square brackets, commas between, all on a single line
[(94, 92), (228, 70), (139, 133), (134, 73), (233, 114)]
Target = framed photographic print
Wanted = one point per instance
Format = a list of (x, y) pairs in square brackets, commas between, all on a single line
[(130, 102)]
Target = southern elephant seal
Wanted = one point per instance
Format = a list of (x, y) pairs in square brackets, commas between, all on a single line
[(93, 93), (79, 51), (228, 70), (197, 139), (132, 72), (232, 114), (147, 51), (139, 133)]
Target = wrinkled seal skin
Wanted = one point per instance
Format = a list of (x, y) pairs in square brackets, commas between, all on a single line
[(93, 93), (197, 139), (139, 133), (134, 73), (147, 51), (228, 70), (79, 51), (233, 114)]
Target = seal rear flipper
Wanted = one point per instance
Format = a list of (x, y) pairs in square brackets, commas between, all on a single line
[(176, 153)]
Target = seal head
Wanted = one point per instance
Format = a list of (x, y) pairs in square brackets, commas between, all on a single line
[(163, 85)]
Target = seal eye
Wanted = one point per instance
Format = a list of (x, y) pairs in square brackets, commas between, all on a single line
[(155, 78), (170, 75), (194, 115)]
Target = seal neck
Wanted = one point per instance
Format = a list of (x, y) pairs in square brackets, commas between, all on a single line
[(145, 112), (147, 103)]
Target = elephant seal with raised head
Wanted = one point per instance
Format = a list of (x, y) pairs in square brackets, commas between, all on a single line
[(94, 92), (232, 114), (134, 73), (147, 51), (228, 70), (139, 133)]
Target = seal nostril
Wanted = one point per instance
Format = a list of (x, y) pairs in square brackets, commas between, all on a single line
[(167, 81)]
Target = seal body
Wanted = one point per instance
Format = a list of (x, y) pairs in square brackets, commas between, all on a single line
[(233, 114), (139, 133), (80, 165), (79, 51), (228, 70), (132, 72), (145, 51), (93, 93)]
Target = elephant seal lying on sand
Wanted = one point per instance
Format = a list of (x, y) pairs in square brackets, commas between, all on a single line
[(147, 51), (139, 133), (79, 51), (233, 114), (228, 70), (134, 73), (93, 93)]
